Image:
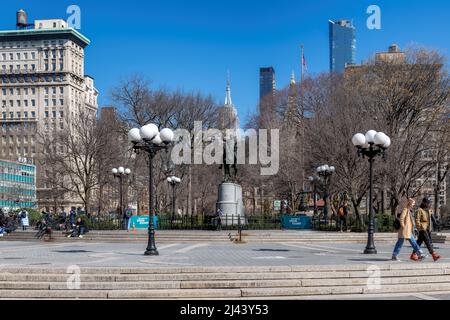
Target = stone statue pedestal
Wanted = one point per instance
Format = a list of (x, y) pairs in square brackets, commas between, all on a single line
[(231, 204)]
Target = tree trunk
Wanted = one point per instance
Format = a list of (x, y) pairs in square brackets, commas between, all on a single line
[(189, 199)]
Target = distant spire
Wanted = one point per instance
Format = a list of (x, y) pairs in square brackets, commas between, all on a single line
[(228, 101), (293, 77)]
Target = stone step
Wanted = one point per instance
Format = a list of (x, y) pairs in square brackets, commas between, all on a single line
[(338, 276)]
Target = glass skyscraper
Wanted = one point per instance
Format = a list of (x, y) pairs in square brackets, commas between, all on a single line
[(266, 82), (17, 185), (342, 45)]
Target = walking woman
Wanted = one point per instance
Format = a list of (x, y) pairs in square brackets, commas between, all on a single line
[(406, 232), (423, 222)]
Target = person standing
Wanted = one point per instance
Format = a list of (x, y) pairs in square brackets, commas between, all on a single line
[(343, 213), (406, 232), (24, 221), (423, 222), (219, 215)]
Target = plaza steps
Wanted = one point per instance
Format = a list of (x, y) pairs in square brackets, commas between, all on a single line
[(168, 236), (197, 283)]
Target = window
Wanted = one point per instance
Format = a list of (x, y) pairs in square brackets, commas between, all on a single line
[(61, 114), (11, 56), (18, 115), (61, 90), (11, 115), (25, 55), (33, 67), (54, 114), (54, 90), (46, 114), (11, 91), (4, 103), (46, 90), (33, 114), (18, 56), (33, 55), (18, 103), (11, 103), (25, 115), (33, 91), (54, 66), (25, 102), (4, 115), (4, 91), (61, 101), (54, 102), (46, 102), (46, 67), (33, 103), (61, 125), (18, 91)]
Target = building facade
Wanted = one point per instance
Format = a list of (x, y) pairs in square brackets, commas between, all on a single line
[(342, 35), (267, 84), (17, 185), (42, 87)]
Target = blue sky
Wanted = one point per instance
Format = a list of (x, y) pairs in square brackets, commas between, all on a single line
[(190, 45)]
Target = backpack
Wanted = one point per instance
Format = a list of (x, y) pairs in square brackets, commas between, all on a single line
[(397, 225)]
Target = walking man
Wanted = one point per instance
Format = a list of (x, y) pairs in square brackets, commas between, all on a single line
[(423, 222)]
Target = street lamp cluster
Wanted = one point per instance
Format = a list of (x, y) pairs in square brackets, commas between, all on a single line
[(150, 140), (120, 174), (371, 145), (173, 181)]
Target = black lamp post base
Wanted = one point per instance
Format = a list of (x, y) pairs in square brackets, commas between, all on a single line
[(370, 251), (151, 252)]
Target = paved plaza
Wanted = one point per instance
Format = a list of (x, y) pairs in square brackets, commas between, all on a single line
[(197, 254)]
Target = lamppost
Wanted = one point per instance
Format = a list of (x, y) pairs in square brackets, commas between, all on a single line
[(326, 172), (120, 174), (150, 140), (371, 145), (314, 181), (173, 181)]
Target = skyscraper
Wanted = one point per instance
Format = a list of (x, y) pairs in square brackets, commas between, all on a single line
[(342, 45), (266, 82)]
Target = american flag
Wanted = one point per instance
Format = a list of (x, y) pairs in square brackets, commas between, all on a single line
[(304, 63)]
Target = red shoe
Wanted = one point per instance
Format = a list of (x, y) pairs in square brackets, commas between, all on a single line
[(435, 256), (414, 257)]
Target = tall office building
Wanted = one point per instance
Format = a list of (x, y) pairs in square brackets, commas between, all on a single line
[(266, 82), (228, 116), (342, 45), (42, 85)]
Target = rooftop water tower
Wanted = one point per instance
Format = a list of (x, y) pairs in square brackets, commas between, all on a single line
[(22, 20)]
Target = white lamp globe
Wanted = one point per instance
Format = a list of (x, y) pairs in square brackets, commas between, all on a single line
[(177, 180), (166, 135), (169, 180), (134, 135), (370, 136), (319, 169), (115, 171), (121, 170), (388, 142), (149, 131), (332, 169), (359, 140), (380, 139), (127, 171), (157, 140)]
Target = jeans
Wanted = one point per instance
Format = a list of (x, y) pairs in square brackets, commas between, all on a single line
[(400, 243)]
